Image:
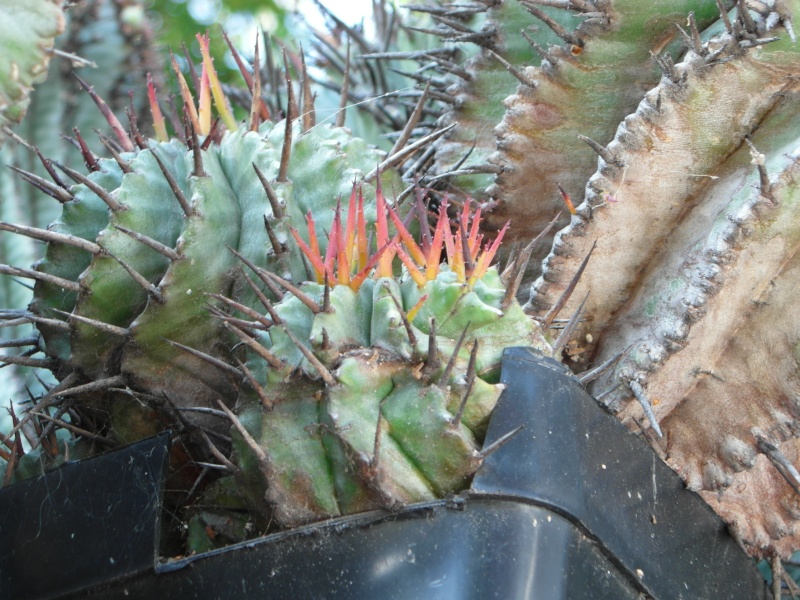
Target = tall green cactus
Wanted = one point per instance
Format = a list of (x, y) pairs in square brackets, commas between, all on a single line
[(219, 203), (25, 51), (99, 36)]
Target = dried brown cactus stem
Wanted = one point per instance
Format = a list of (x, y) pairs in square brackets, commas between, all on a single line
[(697, 262), (746, 388), (552, 75), (580, 89), (638, 212), (504, 60)]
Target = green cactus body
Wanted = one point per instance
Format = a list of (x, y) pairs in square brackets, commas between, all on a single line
[(227, 206), (364, 411), (373, 391), (106, 37), (25, 52)]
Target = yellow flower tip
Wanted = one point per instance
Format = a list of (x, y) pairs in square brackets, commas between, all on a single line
[(381, 225), (313, 257), (487, 256), (351, 231), (204, 112), (411, 267), (415, 309), (456, 261), (363, 241), (408, 240), (313, 240), (384, 268), (384, 265), (435, 253), (474, 234), (220, 100), (186, 94), (155, 110), (337, 238), (330, 254), (347, 260), (449, 244)]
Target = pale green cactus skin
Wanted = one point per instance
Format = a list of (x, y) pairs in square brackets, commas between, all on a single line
[(106, 37), (25, 52), (318, 440)]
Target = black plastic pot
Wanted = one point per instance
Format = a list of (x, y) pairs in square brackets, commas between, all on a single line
[(573, 506)]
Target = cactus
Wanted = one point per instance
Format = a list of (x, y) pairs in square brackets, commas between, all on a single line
[(396, 376), (689, 304), (677, 265), (121, 224), (144, 295), (100, 35), (25, 49)]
